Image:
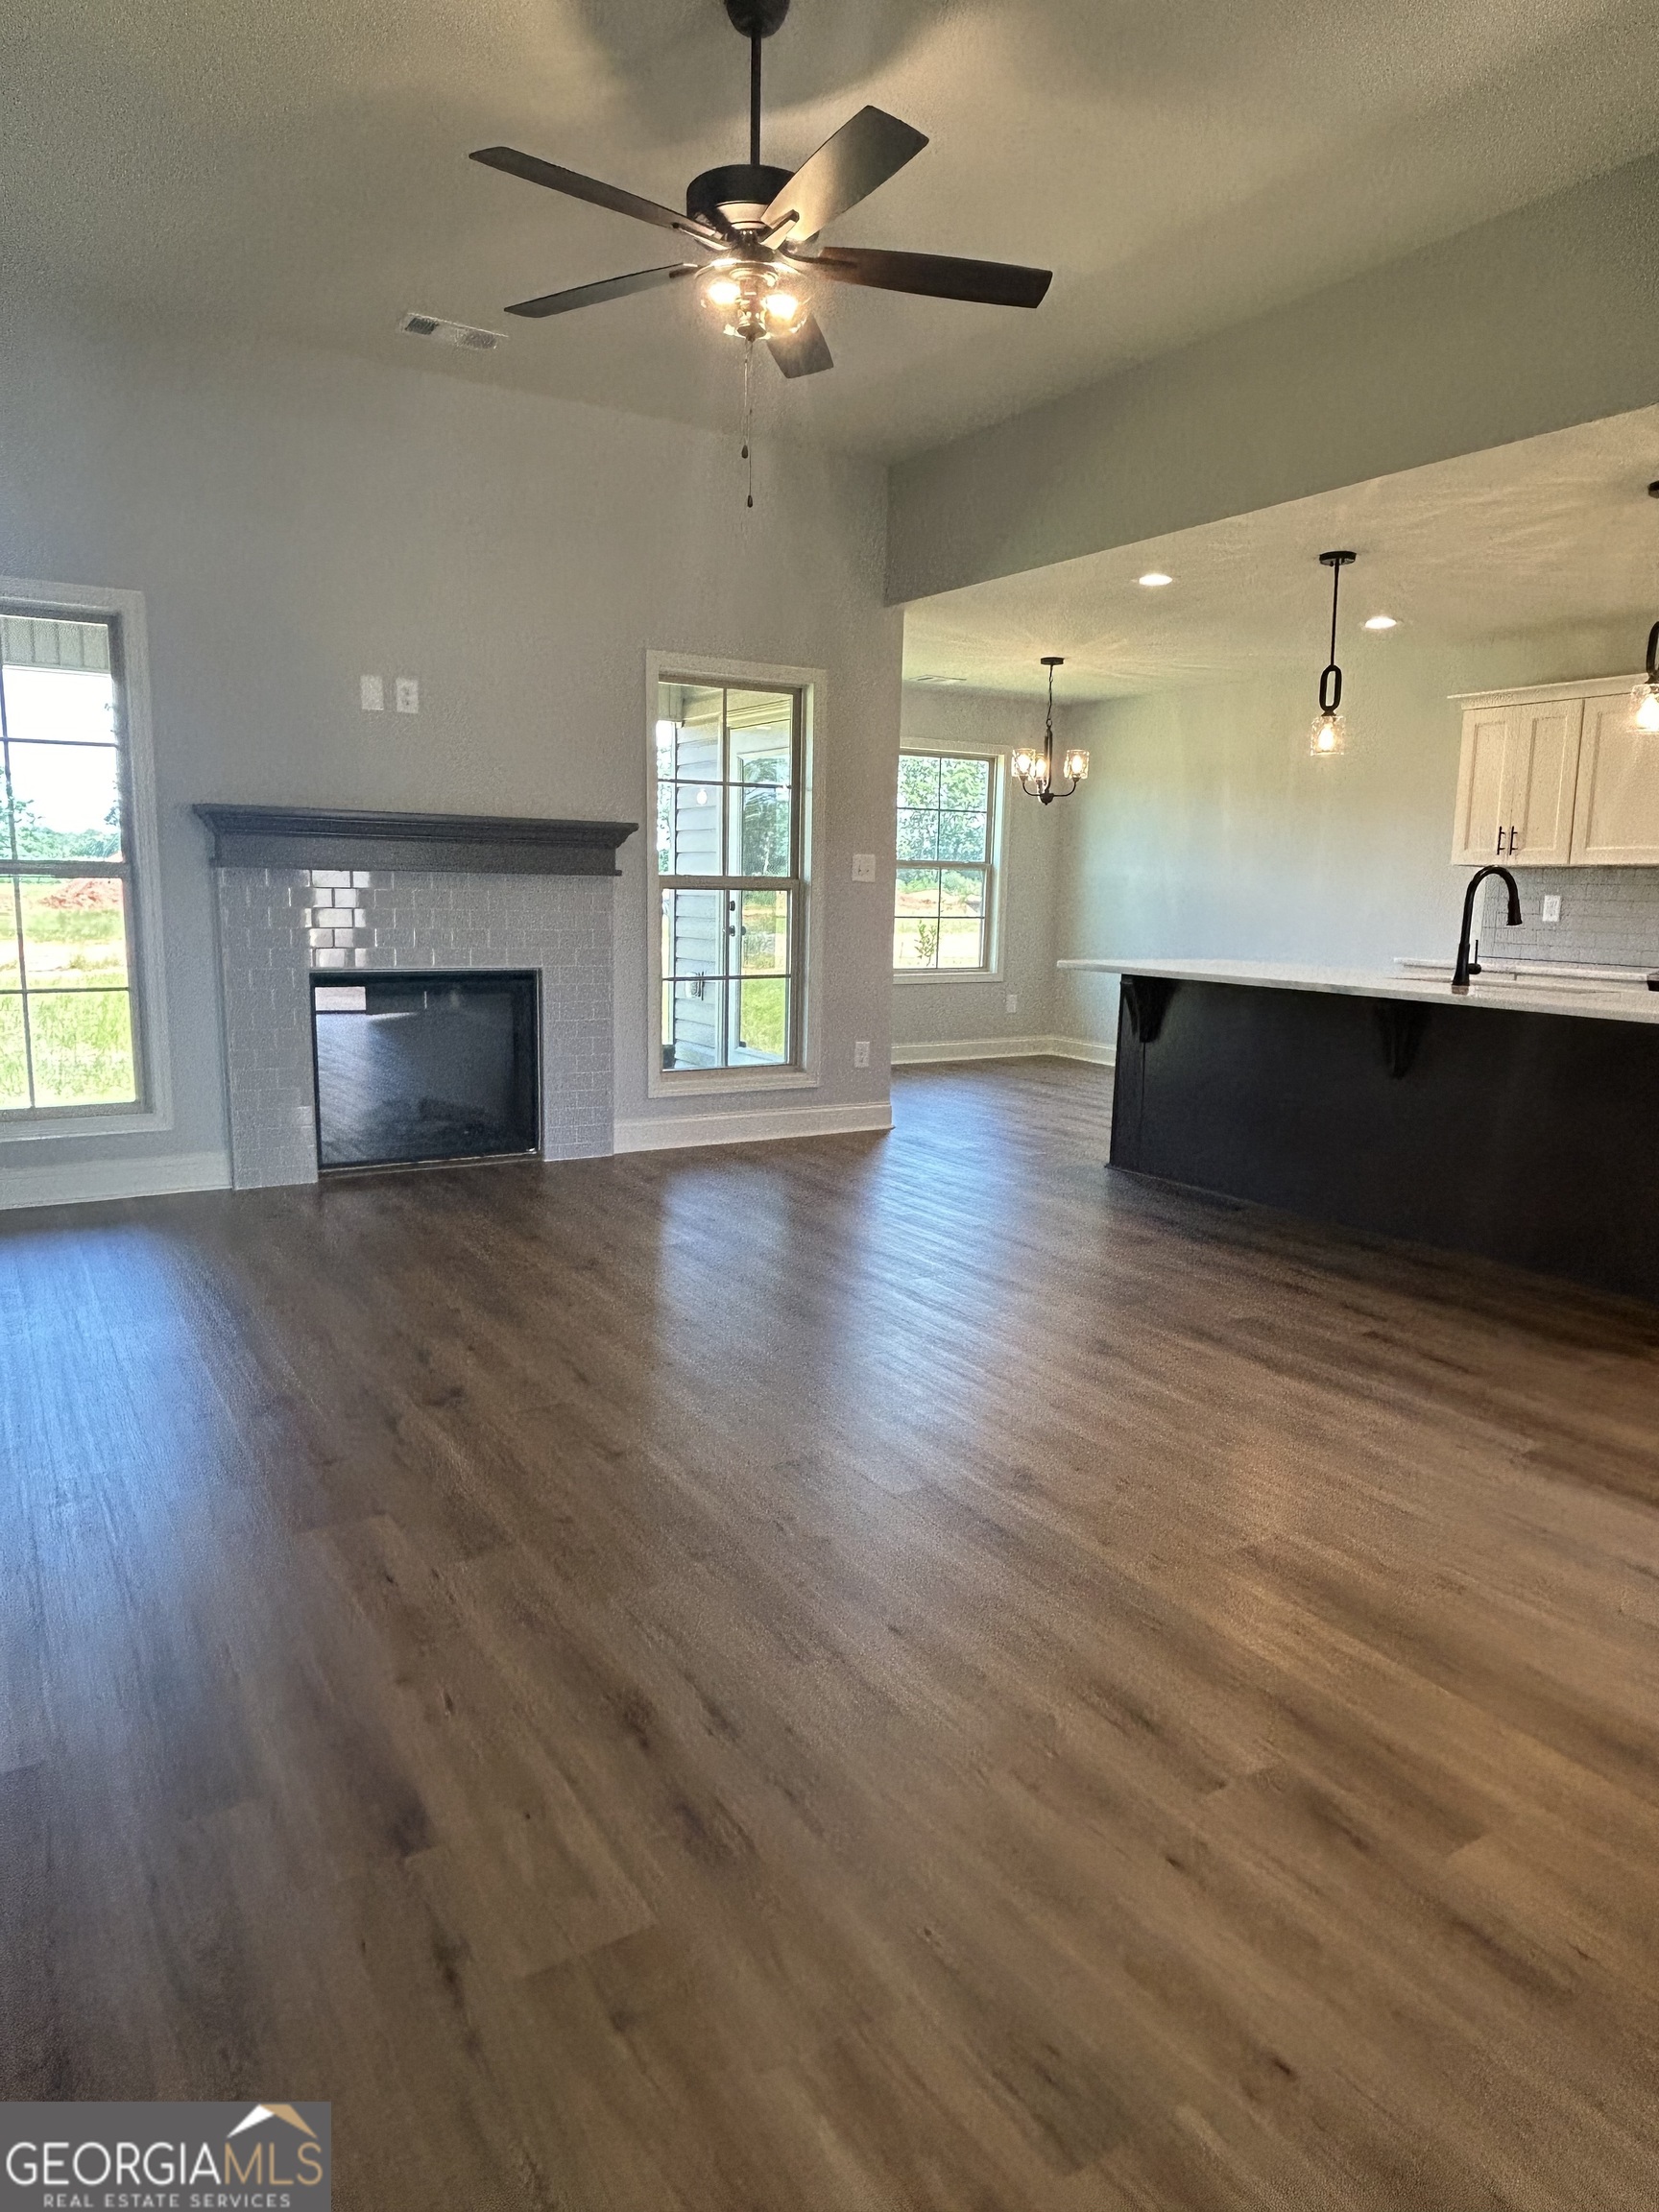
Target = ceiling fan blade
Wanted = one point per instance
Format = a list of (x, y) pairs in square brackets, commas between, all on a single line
[(846, 168), (608, 288), (535, 171), (938, 275), (802, 351)]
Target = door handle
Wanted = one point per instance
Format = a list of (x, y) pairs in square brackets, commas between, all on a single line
[(1498, 849), (1512, 838)]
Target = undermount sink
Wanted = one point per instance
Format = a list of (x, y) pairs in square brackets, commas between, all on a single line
[(1566, 976)]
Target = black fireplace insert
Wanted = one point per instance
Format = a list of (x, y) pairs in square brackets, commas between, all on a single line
[(436, 1066)]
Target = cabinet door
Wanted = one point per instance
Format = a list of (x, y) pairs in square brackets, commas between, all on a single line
[(1480, 786), (1541, 776), (1616, 820)]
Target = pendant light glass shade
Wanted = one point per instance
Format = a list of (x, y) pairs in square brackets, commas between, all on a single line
[(1328, 735)]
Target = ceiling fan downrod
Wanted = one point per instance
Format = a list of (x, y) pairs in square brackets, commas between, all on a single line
[(757, 20)]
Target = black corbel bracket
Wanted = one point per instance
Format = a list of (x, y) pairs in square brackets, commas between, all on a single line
[(1147, 998)]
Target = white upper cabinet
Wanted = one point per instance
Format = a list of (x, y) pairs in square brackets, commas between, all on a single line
[(1616, 824), (1543, 779), (1482, 823), (1517, 782), (1558, 777)]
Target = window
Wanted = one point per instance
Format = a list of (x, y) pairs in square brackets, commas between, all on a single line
[(941, 899), (730, 877), (69, 1039)]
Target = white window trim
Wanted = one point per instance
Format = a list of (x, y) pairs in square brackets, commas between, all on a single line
[(908, 979), (148, 983), (812, 684)]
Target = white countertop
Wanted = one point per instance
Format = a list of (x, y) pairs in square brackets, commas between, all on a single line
[(1523, 990)]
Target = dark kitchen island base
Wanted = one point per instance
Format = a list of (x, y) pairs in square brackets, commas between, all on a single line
[(1528, 1137)]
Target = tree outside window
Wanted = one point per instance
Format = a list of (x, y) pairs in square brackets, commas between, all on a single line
[(942, 893), (66, 1028)]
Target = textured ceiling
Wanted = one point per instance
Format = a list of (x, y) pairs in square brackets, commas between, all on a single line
[(1552, 532), (299, 169)]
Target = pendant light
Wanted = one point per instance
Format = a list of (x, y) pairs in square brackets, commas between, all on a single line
[(1034, 771), (1329, 735), (1645, 699)]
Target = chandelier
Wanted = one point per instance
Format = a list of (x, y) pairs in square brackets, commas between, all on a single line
[(1034, 771)]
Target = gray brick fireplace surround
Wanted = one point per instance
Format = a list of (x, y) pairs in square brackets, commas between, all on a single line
[(278, 924)]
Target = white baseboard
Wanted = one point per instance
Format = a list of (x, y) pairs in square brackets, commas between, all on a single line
[(1087, 1048), (84, 1181), (1005, 1048), (758, 1125)]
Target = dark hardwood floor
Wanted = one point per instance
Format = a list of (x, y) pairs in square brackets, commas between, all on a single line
[(871, 1673)]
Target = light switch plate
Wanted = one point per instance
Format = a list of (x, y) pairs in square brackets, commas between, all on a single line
[(1013, 1003), (408, 694), (1551, 906), (863, 867), (861, 1052), (372, 691)]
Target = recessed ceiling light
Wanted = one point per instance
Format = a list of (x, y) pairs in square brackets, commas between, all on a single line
[(1381, 622), (1154, 579)]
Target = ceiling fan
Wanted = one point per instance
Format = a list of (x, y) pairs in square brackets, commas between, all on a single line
[(754, 228)]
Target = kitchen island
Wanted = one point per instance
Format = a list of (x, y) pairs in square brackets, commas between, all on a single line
[(1517, 1122)]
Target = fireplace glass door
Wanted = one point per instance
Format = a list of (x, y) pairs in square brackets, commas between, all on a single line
[(414, 1067)]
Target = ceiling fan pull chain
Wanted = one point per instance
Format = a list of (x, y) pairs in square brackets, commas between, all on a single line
[(749, 418)]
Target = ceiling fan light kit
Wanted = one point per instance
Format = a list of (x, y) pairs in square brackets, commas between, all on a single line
[(756, 228)]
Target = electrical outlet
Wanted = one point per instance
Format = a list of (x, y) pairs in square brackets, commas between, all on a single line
[(863, 867), (1013, 1003), (861, 1052), (407, 689), (1551, 907), (372, 691)]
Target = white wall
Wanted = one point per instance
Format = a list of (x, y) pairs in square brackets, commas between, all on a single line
[(1546, 316), (953, 1009), (1207, 829), (293, 520)]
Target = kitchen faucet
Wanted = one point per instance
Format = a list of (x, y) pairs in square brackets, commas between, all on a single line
[(1461, 974)]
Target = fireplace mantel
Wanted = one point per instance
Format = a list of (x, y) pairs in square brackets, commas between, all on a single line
[(486, 844)]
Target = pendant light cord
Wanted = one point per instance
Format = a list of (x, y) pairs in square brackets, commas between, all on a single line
[(1335, 588)]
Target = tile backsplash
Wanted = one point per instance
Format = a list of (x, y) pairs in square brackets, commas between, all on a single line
[(1609, 917)]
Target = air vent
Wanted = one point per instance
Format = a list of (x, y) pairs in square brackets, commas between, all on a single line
[(443, 333)]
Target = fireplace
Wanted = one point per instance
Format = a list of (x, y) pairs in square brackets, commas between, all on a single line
[(514, 914), (414, 1069)]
